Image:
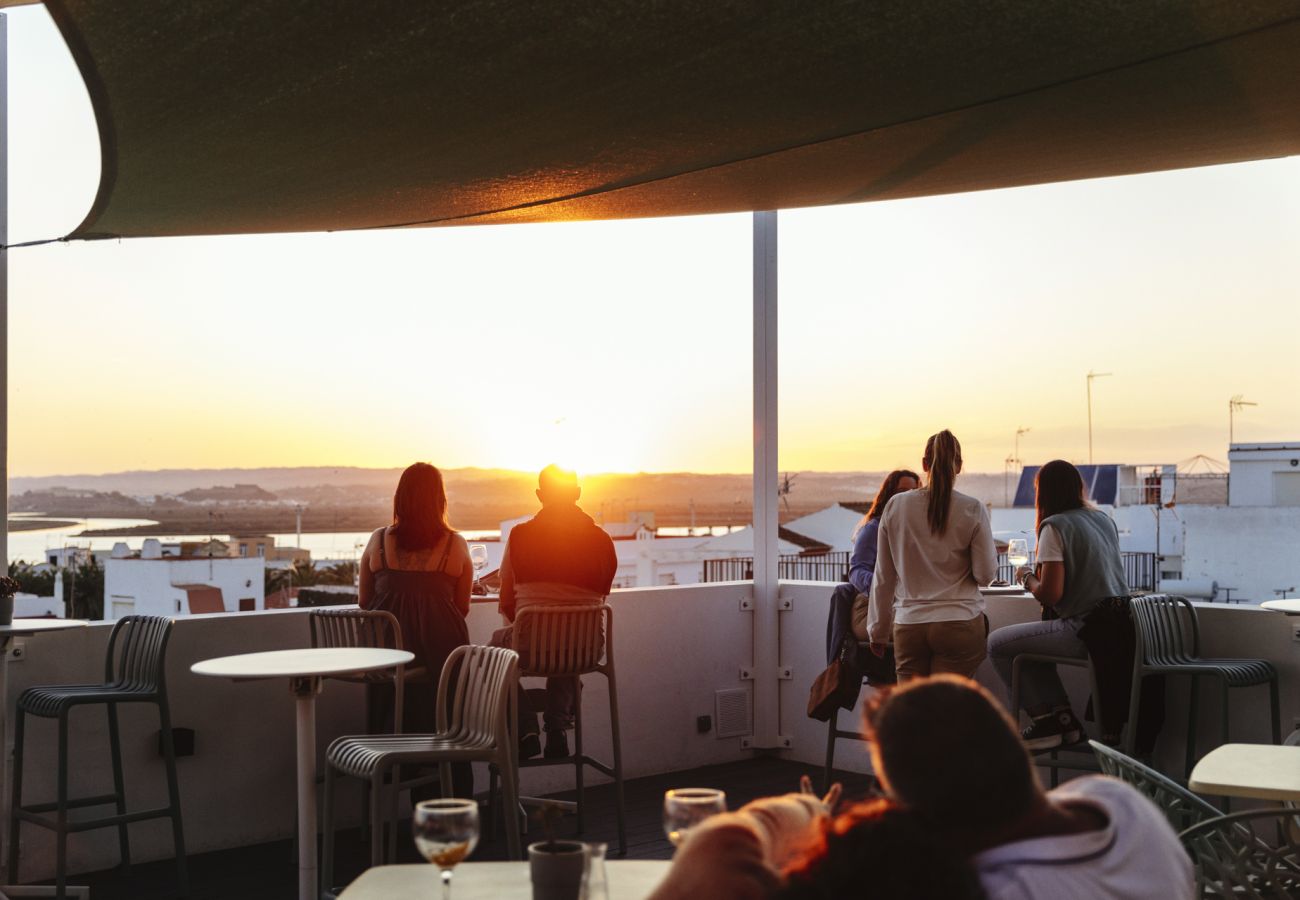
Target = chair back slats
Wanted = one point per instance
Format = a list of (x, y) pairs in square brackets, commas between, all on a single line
[(369, 628), (562, 639), (1254, 855), (1180, 806), (137, 652), (1167, 630), (474, 693)]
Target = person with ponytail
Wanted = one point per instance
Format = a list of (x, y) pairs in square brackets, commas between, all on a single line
[(935, 552)]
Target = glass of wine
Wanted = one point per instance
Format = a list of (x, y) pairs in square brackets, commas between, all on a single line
[(445, 831), (1017, 554), (478, 557), (684, 808)]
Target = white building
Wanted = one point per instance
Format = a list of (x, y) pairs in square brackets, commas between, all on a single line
[(153, 584), (1264, 474)]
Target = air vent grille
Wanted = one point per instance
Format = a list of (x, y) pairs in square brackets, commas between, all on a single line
[(733, 712)]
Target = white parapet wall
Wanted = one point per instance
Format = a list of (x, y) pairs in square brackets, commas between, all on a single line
[(673, 648)]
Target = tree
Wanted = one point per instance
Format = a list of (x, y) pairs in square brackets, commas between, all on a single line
[(30, 581), (83, 590)]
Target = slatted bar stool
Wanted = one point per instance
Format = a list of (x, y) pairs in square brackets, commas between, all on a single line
[(367, 628), (134, 672), (569, 641), (1164, 623), (475, 722)]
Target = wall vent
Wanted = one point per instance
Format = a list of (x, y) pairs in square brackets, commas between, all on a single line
[(733, 712)]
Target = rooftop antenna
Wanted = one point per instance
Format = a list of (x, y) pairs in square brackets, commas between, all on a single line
[(1016, 457), (1006, 480), (1091, 376), (783, 489), (1235, 403)]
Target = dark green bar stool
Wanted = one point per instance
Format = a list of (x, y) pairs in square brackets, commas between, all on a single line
[(134, 672)]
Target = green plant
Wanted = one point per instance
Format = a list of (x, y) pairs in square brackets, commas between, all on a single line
[(548, 815)]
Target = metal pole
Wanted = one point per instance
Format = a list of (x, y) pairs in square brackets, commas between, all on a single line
[(4, 291), (1091, 376), (767, 712)]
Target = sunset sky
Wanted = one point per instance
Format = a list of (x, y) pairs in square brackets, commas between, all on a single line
[(625, 346)]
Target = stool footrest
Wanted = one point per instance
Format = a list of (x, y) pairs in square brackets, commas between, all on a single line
[(101, 800), (27, 815)]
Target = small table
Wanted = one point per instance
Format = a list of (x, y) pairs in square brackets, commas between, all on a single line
[(1290, 607), (629, 879), (304, 668), (1258, 771), (20, 628)]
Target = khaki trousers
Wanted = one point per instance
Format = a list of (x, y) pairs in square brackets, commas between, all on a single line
[(933, 648)]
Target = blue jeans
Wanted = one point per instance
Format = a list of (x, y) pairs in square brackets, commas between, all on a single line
[(1041, 690), (839, 618)]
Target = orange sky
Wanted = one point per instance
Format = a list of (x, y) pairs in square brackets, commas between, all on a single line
[(626, 345)]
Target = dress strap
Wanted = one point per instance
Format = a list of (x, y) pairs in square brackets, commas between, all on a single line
[(446, 551), (383, 539)]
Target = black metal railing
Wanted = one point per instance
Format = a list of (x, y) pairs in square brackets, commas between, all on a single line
[(1139, 570), (824, 567)]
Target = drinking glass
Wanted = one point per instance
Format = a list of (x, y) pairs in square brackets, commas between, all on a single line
[(595, 883), (478, 557), (1018, 552), (445, 831), (684, 808)]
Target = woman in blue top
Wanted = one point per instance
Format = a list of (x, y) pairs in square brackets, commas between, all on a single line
[(862, 562), (1078, 567)]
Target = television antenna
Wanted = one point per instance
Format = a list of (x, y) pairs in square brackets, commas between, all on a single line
[(784, 488), (1235, 403)]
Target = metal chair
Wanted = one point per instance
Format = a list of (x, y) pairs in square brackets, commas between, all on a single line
[(367, 628), (1237, 855), (1181, 807), (134, 672), (1163, 649), (1052, 761), (475, 722), (572, 640)]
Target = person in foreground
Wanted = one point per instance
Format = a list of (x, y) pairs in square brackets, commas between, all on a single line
[(946, 751), (862, 561), (963, 818), (1079, 580), (559, 556), (418, 569), (935, 552)]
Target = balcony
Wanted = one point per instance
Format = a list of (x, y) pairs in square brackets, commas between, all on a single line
[(674, 648)]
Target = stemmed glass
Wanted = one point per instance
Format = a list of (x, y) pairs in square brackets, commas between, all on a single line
[(1017, 554), (684, 808), (445, 831), (478, 557)]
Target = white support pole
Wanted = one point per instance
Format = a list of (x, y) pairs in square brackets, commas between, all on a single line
[(4, 292), (767, 635)]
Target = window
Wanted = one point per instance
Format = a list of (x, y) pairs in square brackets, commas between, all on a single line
[(247, 604)]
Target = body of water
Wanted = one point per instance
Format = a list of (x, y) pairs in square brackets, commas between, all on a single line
[(30, 546)]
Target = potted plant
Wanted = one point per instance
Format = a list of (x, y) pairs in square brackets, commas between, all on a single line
[(8, 587), (556, 867)]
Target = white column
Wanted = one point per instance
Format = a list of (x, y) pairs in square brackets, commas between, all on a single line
[(4, 292), (767, 710)]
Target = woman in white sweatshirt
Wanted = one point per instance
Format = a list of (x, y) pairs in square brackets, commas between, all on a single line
[(936, 551)]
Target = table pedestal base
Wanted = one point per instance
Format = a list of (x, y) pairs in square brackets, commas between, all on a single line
[(305, 691)]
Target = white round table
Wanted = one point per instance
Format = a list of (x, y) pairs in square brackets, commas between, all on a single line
[(18, 628), (1290, 606), (304, 668)]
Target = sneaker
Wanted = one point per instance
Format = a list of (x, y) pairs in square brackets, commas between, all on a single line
[(530, 745), (557, 745), (1054, 730)]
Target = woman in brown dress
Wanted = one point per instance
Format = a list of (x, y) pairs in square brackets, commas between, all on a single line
[(419, 570)]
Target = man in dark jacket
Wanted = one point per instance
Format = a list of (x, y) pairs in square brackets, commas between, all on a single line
[(560, 555)]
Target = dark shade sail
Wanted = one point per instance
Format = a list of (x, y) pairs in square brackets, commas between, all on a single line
[(244, 116)]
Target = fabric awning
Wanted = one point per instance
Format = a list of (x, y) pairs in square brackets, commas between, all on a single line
[(244, 116)]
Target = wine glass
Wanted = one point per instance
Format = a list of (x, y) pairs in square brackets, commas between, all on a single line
[(1017, 554), (684, 808), (445, 831), (478, 557)]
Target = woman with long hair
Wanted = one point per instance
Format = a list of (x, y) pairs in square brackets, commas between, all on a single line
[(862, 561), (418, 569), (935, 552), (1077, 569)]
